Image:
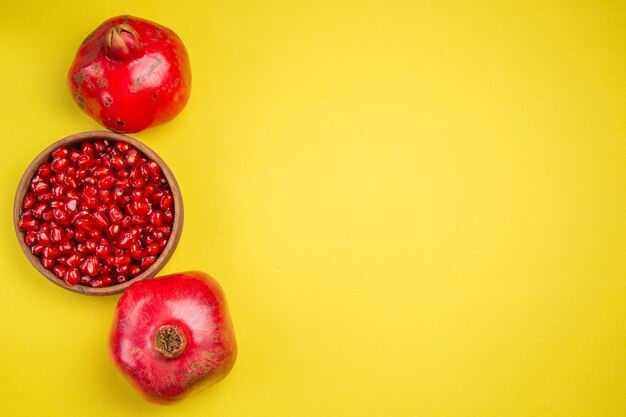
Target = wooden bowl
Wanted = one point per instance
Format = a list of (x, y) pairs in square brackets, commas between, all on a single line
[(69, 142)]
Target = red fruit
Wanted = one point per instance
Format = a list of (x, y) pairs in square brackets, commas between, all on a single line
[(147, 262), (100, 220), (30, 238), (72, 276), (130, 74), (28, 223), (29, 201), (90, 266), (173, 335)]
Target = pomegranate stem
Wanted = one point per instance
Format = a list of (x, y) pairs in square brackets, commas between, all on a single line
[(170, 341)]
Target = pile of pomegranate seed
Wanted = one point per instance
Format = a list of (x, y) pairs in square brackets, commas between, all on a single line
[(97, 214)]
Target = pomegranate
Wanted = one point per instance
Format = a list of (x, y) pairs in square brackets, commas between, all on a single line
[(130, 74), (173, 335), (96, 213)]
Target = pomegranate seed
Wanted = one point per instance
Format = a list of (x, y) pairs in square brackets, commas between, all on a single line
[(126, 222), (47, 263), (124, 200), (71, 181), (44, 227), (157, 218), (122, 146), (122, 260), (105, 196), (91, 245), (156, 197), (84, 223), (59, 271), (71, 206), (123, 269), (39, 210), (100, 171), (166, 202), (45, 171), (40, 187), (55, 204), (66, 247), (59, 191), (168, 216), (79, 235), (59, 165), (43, 238), (84, 161), (28, 224), (121, 279), (131, 157), (51, 252), (74, 155), (138, 183), (136, 251), (149, 189), (115, 214), (107, 182), (90, 266), (102, 251), (114, 231), (37, 249), (68, 234), (88, 203), (141, 207), (99, 146), (72, 195), (136, 195), (72, 276), (73, 260), (107, 281), (100, 220), (29, 201), (62, 217), (125, 240), (81, 173), (56, 234), (138, 220), (85, 280), (134, 270), (87, 148), (124, 184), (62, 152), (117, 162), (47, 215), (30, 238), (154, 168), (147, 261), (118, 193), (95, 234), (46, 197)]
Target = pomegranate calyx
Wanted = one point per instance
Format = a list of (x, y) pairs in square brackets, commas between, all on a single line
[(170, 341), (121, 42)]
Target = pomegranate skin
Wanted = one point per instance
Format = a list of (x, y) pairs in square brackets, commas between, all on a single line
[(130, 74), (165, 369)]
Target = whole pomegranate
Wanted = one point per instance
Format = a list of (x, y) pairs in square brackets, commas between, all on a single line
[(173, 335), (130, 74)]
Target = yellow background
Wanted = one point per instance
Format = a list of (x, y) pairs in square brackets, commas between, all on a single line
[(416, 208)]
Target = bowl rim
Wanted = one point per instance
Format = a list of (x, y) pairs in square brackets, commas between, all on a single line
[(45, 155)]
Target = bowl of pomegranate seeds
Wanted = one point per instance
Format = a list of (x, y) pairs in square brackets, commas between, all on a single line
[(97, 211)]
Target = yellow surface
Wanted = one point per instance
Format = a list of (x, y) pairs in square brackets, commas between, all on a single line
[(415, 208)]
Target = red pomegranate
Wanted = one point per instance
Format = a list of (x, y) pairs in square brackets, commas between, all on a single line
[(173, 335), (130, 74)]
